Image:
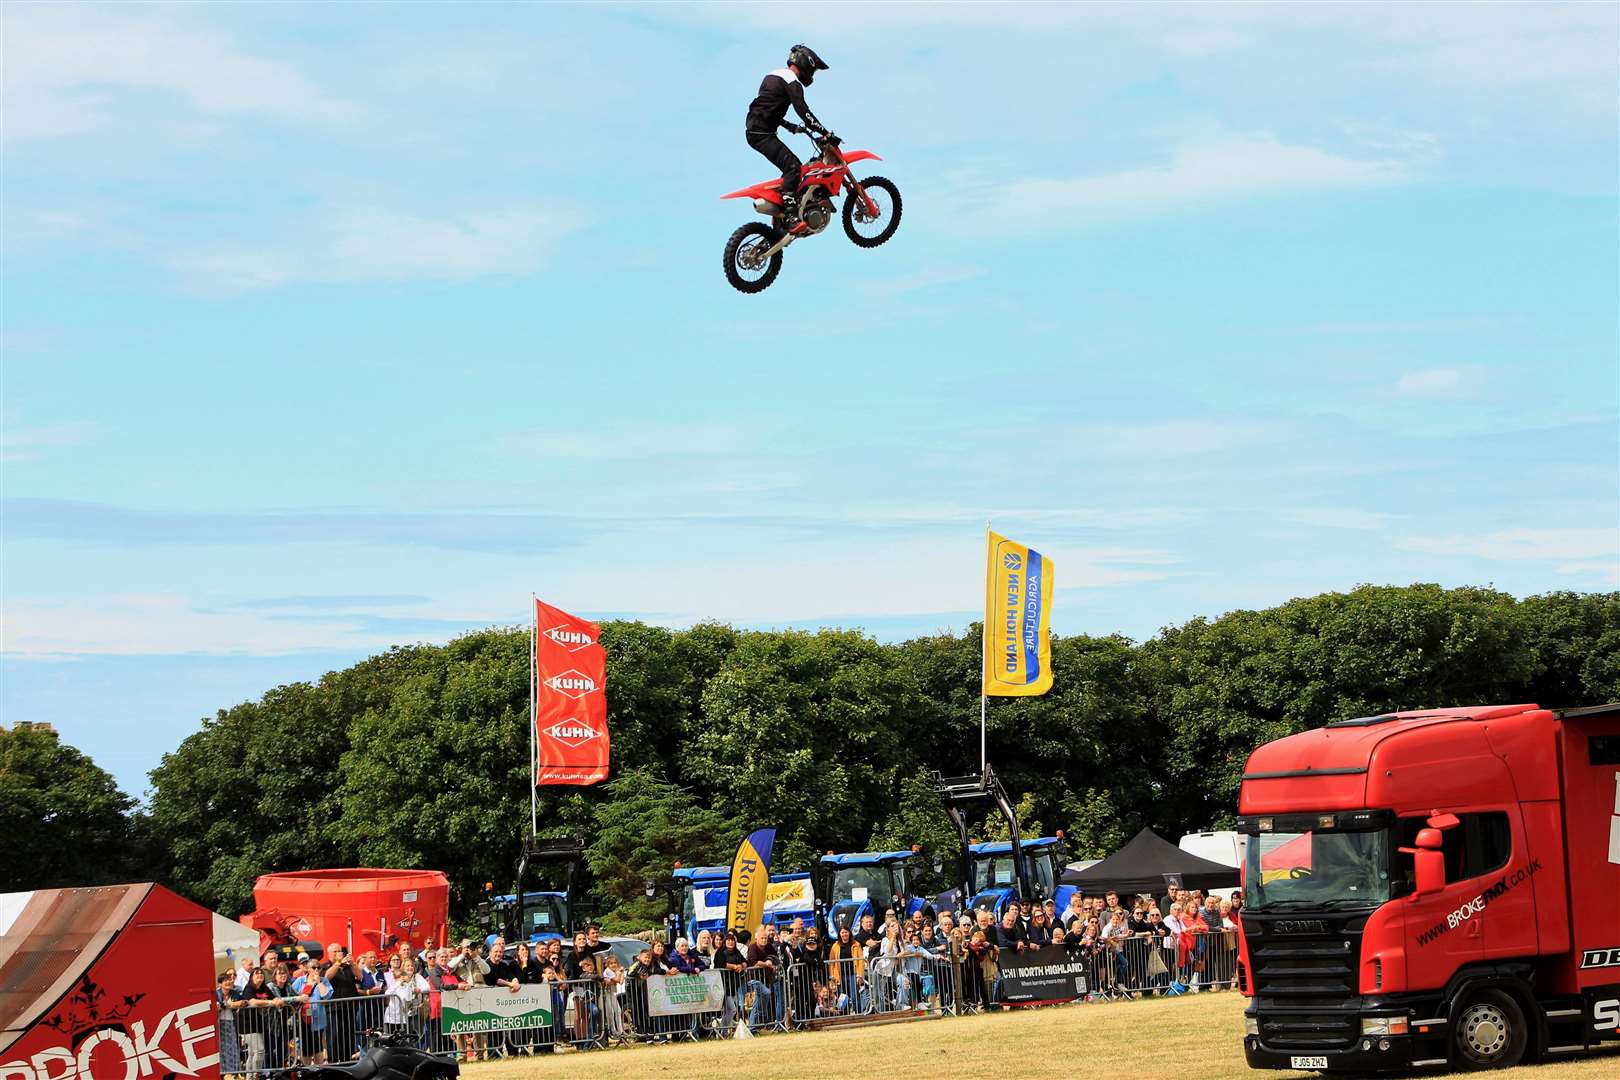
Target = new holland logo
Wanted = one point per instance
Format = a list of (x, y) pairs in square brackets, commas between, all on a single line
[(1012, 560), (570, 639), (572, 732), (572, 684)]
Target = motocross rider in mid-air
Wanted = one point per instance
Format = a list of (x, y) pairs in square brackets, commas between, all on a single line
[(768, 111)]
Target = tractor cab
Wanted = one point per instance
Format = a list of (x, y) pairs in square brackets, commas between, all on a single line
[(538, 914), (994, 874), (990, 874), (701, 894), (863, 883), (545, 916)]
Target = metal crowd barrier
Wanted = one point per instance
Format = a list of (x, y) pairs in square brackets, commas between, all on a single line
[(280, 1035), (911, 983), (1143, 965), (277, 1037)]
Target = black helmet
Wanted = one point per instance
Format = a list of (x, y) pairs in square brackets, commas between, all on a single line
[(805, 59)]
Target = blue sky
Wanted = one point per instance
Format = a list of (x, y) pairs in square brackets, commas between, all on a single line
[(330, 327)]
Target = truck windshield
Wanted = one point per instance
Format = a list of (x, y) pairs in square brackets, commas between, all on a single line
[(1316, 869), (996, 872), (862, 883)]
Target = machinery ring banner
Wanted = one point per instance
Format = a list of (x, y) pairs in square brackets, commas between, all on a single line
[(680, 995)]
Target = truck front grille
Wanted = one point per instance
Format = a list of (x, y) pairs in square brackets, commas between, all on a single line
[(1306, 982)]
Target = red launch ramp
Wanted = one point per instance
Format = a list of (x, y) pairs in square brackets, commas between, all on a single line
[(112, 983)]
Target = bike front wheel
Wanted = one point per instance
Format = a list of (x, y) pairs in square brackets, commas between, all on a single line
[(864, 227)]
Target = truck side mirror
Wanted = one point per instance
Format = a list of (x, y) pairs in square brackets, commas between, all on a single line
[(1428, 861), (1430, 867)]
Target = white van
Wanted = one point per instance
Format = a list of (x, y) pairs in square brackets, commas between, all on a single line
[(1226, 848)]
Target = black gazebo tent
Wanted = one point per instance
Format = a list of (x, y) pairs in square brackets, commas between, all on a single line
[(1141, 865)]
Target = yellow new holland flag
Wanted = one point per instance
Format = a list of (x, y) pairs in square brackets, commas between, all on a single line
[(1017, 620)]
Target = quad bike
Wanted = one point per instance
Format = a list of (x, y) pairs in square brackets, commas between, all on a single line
[(387, 1057), (871, 213)]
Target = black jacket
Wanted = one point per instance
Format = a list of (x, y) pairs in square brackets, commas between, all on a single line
[(778, 90)]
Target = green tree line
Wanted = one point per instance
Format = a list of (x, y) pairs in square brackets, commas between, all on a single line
[(419, 757)]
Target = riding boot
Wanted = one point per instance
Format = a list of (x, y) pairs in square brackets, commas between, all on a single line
[(790, 210)]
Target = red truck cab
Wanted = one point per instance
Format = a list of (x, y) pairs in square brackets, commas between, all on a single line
[(1433, 888)]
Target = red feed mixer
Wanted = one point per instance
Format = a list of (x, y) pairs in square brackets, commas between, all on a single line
[(359, 908), (1433, 888)]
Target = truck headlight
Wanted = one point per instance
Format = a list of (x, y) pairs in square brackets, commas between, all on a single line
[(1251, 1025), (1383, 1025)]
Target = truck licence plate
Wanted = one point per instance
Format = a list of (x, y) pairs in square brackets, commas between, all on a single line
[(1307, 1062)]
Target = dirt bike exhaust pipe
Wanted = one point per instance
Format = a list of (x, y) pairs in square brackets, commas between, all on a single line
[(769, 209)]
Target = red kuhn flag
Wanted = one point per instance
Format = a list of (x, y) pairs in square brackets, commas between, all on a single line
[(570, 699)]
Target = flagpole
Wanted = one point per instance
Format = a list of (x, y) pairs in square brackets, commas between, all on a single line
[(984, 648), (534, 748)]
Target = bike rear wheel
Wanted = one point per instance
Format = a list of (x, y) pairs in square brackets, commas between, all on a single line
[(864, 228), (746, 267)]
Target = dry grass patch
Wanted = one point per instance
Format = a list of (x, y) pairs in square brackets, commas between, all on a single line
[(1198, 1036)]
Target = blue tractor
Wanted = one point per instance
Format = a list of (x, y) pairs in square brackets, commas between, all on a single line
[(537, 915), (700, 896), (991, 874), (866, 883)]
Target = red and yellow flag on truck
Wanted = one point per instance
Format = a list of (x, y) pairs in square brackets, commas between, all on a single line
[(570, 699)]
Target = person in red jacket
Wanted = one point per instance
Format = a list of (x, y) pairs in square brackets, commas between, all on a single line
[(1189, 945)]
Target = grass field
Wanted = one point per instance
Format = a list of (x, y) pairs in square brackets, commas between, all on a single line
[(1188, 1038)]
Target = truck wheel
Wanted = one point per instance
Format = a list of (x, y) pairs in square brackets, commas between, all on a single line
[(1489, 1032)]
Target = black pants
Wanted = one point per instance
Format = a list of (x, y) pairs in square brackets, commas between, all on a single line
[(776, 152)]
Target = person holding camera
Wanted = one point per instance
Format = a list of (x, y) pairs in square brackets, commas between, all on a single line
[(470, 970)]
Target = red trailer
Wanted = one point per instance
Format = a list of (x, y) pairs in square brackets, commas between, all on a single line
[(106, 984), (1432, 888), (359, 908)]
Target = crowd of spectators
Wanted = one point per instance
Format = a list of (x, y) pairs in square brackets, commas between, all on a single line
[(310, 1010)]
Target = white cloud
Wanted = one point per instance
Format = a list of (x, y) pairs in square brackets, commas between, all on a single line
[(1516, 545), (132, 625), (640, 441), (1341, 518), (932, 277), (1557, 55), (1167, 439), (824, 575), (24, 443), (71, 68), (1201, 170), (1601, 572), (1200, 41), (1435, 383), (376, 244), (167, 623)]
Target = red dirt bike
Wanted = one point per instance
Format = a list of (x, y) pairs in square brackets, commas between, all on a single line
[(871, 213)]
